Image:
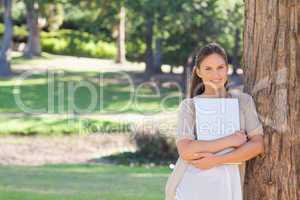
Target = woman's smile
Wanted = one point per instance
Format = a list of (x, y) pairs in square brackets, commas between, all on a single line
[(216, 80)]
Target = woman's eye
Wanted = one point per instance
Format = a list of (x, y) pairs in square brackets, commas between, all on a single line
[(208, 68)]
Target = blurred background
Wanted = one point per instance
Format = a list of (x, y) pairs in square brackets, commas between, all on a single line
[(89, 91)]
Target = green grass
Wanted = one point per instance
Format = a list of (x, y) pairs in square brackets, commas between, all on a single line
[(82, 182), (69, 92), (73, 93), (18, 58), (55, 126)]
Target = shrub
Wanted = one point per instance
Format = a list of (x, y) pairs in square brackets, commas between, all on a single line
[(156, 147), (152, 148), (68, 42), (71, 42)]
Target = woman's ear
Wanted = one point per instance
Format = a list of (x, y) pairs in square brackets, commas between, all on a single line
[(197, 71)]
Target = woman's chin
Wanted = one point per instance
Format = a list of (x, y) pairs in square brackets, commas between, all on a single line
[(219, 85)]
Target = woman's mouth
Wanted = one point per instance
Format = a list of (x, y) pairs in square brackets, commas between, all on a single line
[(216, 81)]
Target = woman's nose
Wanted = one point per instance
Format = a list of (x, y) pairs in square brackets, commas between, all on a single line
[(216, 75)]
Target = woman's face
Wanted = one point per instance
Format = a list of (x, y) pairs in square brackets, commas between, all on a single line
[(213, 71)]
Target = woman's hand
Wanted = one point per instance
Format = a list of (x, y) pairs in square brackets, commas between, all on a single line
[(194, 156), (205, 161), (238, 138)]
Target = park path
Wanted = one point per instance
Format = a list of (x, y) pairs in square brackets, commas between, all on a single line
[(38, 150), (54, 62)]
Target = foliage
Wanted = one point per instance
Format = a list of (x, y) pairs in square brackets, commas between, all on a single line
[(71, 42), (183, 26)]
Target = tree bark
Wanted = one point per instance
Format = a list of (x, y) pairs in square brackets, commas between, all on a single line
[(272, 71), (33, 46), (7, 40), (121, 56)]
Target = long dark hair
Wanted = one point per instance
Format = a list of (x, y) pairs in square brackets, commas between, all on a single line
[(197, 86)]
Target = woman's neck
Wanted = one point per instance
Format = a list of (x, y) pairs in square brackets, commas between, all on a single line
[(222, 92)]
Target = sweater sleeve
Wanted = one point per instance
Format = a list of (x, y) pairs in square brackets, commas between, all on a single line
[(253, 125), (185, 120)]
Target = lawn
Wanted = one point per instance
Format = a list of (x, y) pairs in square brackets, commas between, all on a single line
[(80, 92), (71, 93), (82, 182), (57, 126)]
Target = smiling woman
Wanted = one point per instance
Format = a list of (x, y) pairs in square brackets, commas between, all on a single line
[(200, 171), (210, 74), (213, 72)]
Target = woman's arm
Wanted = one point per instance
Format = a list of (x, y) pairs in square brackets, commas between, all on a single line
[(254, 147), (189, 149), (246, 151)]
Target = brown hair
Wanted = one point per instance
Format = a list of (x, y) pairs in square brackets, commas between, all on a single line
[(196, 84)]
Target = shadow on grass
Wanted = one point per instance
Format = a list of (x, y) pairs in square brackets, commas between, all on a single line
[(133, 159), (152, 149)]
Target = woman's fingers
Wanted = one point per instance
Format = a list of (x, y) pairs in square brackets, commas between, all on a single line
[(238, 138)]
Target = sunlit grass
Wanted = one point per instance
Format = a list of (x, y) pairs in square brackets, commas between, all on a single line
[(82, 182), (81, 92), (45, 125), (37, 95)]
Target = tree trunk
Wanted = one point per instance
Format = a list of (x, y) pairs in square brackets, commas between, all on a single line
[(272, 70), (187, 72), (121, 37), (33, 46), (149, 50), (236, 50), (7, 40), (157, 56)]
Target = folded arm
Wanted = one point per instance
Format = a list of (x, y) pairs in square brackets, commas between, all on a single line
[(254, 147), (187, 148), (244, 152)]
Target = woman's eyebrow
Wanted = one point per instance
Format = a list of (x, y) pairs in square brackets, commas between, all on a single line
[(217, 65)]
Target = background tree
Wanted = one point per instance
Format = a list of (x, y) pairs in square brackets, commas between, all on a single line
[(157, 32), (173, 39), (33, 46), (114, 13), (272, 70), (7, 39), (121, 52), (146, 10), (235, 28)]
